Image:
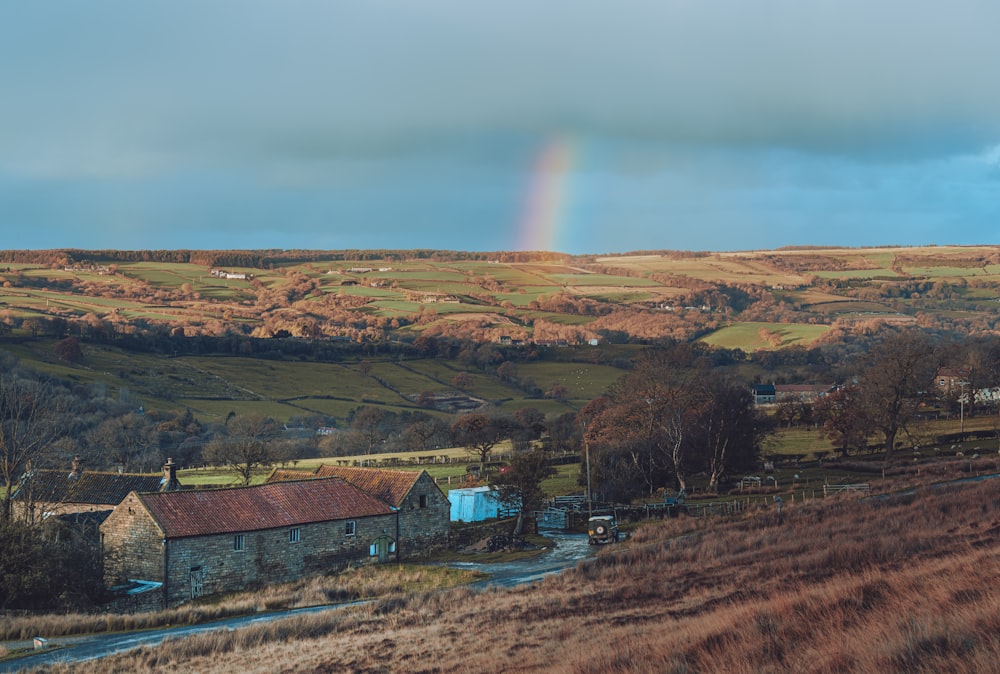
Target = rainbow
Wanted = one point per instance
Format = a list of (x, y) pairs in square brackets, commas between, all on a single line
[(546, 203)]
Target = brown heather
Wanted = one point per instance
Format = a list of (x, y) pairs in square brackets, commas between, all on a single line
[(901, 584)]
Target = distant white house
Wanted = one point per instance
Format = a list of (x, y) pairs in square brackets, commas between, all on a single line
[(222, 273)]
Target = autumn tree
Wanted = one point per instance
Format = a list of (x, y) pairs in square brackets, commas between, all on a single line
[(69, 350)]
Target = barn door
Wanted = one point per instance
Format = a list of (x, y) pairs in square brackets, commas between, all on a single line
[(197, 581), (382, 547)]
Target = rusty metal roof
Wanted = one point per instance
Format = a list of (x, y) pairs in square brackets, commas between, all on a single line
[(267, 506), (285, 474), (391, 486), (56, 486)]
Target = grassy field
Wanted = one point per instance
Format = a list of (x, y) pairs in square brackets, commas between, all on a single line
[(754, 336)]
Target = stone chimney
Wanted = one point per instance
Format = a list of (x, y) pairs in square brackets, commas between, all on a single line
[(169, 481), (75, 468)]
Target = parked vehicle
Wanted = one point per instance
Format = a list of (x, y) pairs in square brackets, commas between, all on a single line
[(602, 529)]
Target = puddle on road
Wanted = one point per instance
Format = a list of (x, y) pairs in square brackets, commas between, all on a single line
[(568, 549)]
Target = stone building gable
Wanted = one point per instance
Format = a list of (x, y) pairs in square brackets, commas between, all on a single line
[(133, 543), (424, 518)]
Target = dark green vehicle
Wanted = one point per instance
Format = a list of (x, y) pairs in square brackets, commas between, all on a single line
[(602, 529)]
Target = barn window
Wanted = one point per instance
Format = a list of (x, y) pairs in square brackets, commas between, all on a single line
[(423, 500), (294, 535), (239, 542), (349, 528)]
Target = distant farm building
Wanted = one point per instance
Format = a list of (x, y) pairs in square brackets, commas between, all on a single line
[(474, 504)]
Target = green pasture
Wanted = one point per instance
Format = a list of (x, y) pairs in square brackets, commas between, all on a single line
[(45, 272), (165, 273), (949, 272), (883, 272), (581, 380), (988, 293), (432, 368), (218, 410), (878, 258), (428, 275), (846, 306), (601, 280), (746, 336), (338, 408), (798, 440), (366, 291), (546, 406), (623, 297), (404, 380), (433, 287), (511, 275), (520, 299), (279, 379)]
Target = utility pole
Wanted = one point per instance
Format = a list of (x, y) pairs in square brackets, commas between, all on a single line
[(961, 408)]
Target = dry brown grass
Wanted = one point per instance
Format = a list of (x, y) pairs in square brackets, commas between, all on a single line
[(900, 584), (352, 584)]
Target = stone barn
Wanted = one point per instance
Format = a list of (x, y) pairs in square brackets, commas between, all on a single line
[(202, 542), (423, 508)]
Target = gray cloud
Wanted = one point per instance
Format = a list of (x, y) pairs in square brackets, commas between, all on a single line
[(131, 87)]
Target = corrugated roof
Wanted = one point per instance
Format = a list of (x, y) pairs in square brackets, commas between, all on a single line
[(391, 486), (55, 486), (266, 506)]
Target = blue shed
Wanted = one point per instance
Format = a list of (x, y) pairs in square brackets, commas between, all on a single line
[(474, 504)]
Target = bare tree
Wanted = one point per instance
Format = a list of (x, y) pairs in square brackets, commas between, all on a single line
[(893, 380), (27, 428), (520, 485), (479, 434), (245, 446), (367, 423), (126, 440)]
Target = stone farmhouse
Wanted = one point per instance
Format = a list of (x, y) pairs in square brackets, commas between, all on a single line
[(424, 510), (46, 493), (199, 542)]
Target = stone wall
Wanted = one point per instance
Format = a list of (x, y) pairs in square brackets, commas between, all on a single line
[(132, 543), (423, 519), (268, 556)]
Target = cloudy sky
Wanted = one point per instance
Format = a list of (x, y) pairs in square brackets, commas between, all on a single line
[(582, 126)]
